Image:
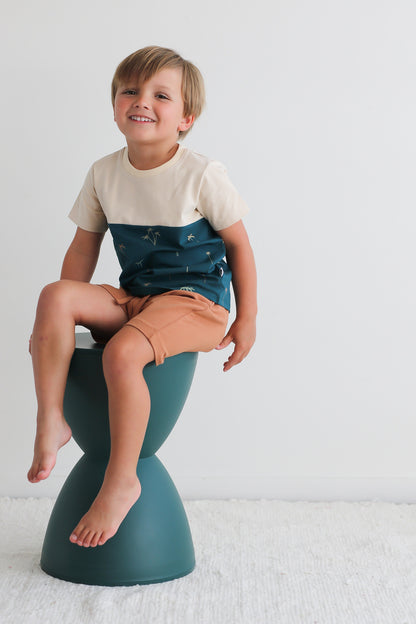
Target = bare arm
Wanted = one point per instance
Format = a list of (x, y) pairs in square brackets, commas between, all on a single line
[(241, 260), (82, 256)]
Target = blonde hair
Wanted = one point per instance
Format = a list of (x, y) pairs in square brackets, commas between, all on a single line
[(145, 63)]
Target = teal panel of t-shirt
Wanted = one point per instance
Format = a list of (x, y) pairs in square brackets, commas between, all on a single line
[(159, 258)]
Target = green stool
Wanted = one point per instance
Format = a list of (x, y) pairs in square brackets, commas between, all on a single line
[(154, 542)]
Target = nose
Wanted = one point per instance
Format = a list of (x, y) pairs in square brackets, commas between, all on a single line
[(141, 102)]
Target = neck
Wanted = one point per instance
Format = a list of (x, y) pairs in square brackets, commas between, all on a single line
[(150, 157)]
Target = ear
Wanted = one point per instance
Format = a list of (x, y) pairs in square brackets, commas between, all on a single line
[(186, 123)]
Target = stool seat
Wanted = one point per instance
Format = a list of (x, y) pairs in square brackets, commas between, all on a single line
[(154, 542)]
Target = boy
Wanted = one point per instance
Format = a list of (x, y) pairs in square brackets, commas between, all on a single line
[(173, 216)]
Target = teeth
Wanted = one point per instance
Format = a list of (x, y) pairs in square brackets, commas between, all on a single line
[(141, 119)]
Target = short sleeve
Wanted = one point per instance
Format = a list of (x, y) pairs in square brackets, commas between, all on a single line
[(219, 201), (87, 212)]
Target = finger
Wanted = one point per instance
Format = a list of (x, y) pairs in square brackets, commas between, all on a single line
[(236, 357), (225, 342)]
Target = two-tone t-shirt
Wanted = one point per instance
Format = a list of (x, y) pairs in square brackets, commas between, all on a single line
[(164, 221)]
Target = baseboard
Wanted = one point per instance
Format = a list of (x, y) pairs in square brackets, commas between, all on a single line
[(389, 489)]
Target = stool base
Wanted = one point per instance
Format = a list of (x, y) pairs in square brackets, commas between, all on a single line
[(152, 545)]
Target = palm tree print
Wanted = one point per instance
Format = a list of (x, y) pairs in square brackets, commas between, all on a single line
[(151, 236)]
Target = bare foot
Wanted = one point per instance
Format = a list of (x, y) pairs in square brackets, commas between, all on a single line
[(52, 433), (102, 520)]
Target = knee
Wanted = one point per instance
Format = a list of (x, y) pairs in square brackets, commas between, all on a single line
[(53, 296), (120, 358)]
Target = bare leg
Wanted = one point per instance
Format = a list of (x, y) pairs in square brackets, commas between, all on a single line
[(129, 406), (61, 306)]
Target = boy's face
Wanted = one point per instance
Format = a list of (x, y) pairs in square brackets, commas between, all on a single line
[(151, 112)]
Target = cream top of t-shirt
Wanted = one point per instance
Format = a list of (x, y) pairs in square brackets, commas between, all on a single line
[(183, 190)]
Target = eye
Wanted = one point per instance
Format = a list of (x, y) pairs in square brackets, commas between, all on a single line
[(162, 96), (129, 92)]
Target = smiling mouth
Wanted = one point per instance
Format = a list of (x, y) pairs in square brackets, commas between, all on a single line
[(145, 119)]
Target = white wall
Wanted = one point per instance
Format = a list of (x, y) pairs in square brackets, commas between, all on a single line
[(311, 107)]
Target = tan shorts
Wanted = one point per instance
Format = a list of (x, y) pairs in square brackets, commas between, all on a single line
[(175, 321)]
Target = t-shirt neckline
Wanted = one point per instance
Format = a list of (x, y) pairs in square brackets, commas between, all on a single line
[(149, 172)]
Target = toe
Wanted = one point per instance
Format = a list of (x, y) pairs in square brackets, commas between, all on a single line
[(96, 539), (40, 471), (32, 475), (76, 534), (42, 474), (105, 536), (82, 536), (87, 539)]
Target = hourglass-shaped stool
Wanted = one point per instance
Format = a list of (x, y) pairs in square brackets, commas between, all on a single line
[(153, 543)]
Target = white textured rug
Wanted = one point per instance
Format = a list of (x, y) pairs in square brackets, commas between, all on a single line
[(257, 562)]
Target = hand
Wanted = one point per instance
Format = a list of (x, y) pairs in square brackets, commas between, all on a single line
[(243, 334)]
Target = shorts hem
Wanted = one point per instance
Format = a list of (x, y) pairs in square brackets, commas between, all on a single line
[(116, 292), (151, 335)]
